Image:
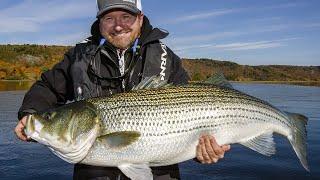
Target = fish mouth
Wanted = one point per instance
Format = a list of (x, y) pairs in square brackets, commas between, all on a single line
[(72, 152), (75, 153), (33, 128), (29, 127)]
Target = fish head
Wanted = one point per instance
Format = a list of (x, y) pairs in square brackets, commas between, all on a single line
[(69, 131)]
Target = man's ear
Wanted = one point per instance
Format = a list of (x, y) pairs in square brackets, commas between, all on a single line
[(100, 26), (141, 17)]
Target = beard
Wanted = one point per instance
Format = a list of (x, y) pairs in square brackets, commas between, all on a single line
[(122, 40)]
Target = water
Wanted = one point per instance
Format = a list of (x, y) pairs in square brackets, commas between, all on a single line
[(14, 85), (20, 160)]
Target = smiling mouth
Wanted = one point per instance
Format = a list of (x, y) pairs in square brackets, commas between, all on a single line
[(120, 34)]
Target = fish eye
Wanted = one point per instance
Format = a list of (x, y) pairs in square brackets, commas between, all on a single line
[(49, 116)]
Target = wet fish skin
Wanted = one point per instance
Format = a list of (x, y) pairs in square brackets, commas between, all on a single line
[(182, 112), (157, 127)]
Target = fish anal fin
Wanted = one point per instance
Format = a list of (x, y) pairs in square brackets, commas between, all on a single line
[(136, 171), (119, 139), (263, 144)]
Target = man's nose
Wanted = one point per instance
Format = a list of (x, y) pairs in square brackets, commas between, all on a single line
[(118, 25)]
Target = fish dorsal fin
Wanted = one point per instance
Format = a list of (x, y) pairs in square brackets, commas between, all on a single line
[(219, 80), (119, 139), (136, 171), (152, 82), (263, 144)]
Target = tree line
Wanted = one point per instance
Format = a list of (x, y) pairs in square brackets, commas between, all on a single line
[(27, 62), (201, 69)]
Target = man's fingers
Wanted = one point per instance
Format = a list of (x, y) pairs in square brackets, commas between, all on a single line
[(19, 132), (210, 151), (24, 121), (226, 147), (199, 154), (206, 157), (217, 149), (19, 129)]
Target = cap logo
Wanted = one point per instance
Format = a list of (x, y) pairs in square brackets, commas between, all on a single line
[(133, 6), (131, 1)]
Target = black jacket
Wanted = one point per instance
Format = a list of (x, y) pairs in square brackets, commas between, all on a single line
[(90, 66), (87, 70)]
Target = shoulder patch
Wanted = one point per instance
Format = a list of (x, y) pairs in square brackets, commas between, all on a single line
[(85, 41)]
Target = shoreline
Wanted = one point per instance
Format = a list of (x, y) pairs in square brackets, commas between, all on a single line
[(299, 83), (15, 85), (23, 80)]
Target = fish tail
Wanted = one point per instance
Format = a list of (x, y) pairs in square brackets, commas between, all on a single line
[(299, 137)]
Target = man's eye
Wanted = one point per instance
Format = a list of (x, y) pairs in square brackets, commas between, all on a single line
[(107, 19), (127, 17)]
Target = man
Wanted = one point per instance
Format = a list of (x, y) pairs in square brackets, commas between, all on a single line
[(123, 49)]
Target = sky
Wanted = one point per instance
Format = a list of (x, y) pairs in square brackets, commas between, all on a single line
[(248, 32)]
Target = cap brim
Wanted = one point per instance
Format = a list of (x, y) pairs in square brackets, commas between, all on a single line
[(118, 6)]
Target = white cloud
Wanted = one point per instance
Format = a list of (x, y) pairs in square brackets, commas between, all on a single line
[(205, 37), (30, 15), (249, 46), (285, 5), (311, 25), (216, 13), (182, 42), (13, 25), (203, 15), (69, 39), (238, 46), (198, 16)]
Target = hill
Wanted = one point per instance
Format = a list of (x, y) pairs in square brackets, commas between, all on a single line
[(27, 62), (200, 69)]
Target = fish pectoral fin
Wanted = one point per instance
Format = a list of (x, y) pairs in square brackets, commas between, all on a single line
[(119, 139), (136, 171), (263, 144)]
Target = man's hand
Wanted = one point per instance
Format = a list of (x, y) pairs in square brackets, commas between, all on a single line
[(208, 151), (19, 130)]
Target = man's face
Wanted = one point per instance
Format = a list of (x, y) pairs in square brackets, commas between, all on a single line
[(120, 27)]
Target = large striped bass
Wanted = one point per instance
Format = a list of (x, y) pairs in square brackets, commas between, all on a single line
[(161, 126)]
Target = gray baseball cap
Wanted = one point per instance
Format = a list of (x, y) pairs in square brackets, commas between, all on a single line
[(133, 6)]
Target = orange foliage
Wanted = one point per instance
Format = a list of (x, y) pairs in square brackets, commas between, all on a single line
[(29, 61)]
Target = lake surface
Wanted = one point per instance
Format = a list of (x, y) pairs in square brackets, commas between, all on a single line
[(15, 85), (21, 160)]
